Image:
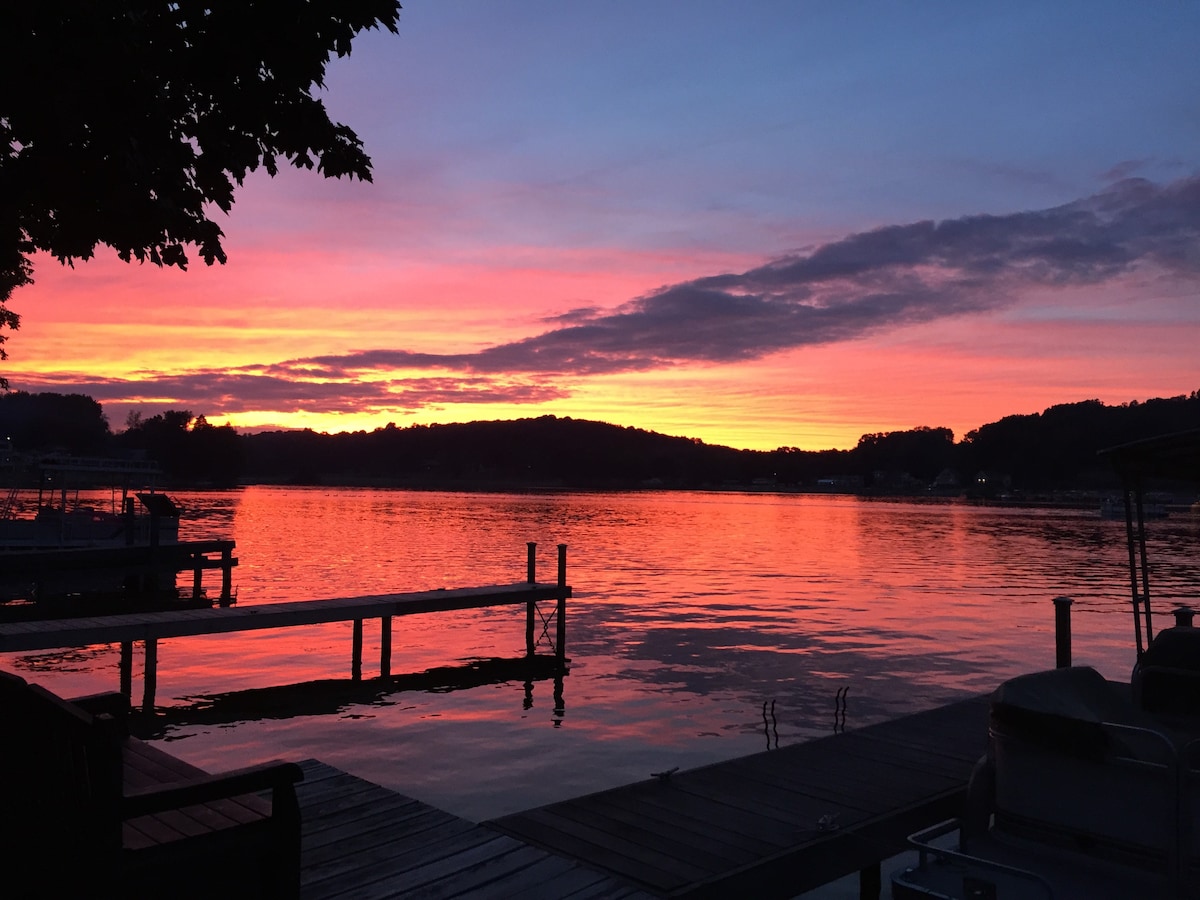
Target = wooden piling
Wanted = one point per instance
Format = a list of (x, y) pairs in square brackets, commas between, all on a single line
[(560, 646), (125, 668), (356, 651), (1062, 632), (870, 882), (226, 576), (150, 676), (385, 647), (149, 627), (531, 606)]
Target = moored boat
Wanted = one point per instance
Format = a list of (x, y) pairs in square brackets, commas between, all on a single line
[(1089, 788), (90, 536), (51, 503)]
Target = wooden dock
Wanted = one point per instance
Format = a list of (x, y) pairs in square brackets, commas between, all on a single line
[(48, 634), (774, 824), (151, 627), (777, 823), (57, 575), (362, 841)]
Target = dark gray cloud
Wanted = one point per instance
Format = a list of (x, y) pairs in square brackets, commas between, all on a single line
[(224, 393), (864, 283)]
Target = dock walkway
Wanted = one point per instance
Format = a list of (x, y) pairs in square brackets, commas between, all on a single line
[(777, 823), (362, 841), (45, 634), (151, 627)]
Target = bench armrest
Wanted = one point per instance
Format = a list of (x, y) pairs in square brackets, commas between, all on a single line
[(114, 703), (271, 776)]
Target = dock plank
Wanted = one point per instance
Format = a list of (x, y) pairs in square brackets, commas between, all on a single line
[(331, 861), (775, 823), (81, 632), (692, 816), (726, 844), (689, 846), (546, 829), (360, 841)]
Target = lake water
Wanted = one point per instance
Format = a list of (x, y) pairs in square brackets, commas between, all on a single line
[(703, 626)]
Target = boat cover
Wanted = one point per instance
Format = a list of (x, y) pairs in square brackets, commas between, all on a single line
[(1062, 709), (1166, 679)]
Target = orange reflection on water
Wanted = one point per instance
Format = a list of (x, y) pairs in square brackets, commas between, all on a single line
[(692, 614)]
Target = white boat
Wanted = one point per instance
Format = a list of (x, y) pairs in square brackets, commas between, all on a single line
[(1089, 789), (1114, 508), (51, 504)]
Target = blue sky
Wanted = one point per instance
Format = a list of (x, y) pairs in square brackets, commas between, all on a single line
[(575, 207)]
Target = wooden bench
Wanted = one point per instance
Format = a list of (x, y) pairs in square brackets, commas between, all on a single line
[(87, 810)]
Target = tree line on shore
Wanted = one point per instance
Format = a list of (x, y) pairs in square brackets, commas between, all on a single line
[(1055, 450)]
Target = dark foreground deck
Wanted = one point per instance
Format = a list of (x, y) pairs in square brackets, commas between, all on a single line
[(363, 841), (776, 823)]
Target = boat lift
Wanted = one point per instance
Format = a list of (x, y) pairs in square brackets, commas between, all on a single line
[(1175, 457)]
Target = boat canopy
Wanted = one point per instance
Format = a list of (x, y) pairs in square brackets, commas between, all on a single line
[(1175, 456)]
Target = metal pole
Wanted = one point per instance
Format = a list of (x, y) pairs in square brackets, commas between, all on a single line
[(1062, 632), (1133, 570), (1141, 529)]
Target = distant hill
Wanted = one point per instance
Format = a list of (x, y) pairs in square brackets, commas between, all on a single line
[(1024, 454)]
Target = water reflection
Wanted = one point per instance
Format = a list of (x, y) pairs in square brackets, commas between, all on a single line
[(343, 697), (689, 611)]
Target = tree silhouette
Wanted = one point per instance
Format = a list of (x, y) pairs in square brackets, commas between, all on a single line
[(124, 122), (74, 423)]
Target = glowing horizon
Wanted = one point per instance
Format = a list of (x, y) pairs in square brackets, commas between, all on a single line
[(841, 223)]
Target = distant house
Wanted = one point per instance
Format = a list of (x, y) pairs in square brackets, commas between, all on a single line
[(990, 484), (946, 482), (840, 483), (896, 482)]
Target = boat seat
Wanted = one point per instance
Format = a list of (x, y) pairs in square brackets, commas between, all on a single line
[(1076, 762), (1166, 678)]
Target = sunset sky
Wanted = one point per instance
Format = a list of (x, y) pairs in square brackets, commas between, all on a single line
[(760, 224)]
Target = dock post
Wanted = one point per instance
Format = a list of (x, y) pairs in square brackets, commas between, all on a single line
[(150, 677), (1184, 616), (197, 577), (561, 644), (385, 647), (1062, 632), (356, 652), (870, 882), (226, 576), (531, 606), (125, 668)]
